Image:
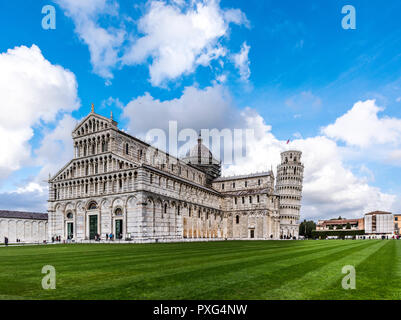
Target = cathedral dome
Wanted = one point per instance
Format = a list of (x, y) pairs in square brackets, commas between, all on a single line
[(202, 158), (199, 151)]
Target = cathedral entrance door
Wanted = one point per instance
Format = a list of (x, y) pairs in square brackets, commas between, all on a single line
[(252, 234), (70, 230), (119, 229), (92, 227)]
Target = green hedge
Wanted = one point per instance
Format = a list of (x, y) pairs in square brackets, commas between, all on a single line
[(337, 233)]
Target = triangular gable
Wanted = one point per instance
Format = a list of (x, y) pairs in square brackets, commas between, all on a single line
[(71, 163), (94, 117)]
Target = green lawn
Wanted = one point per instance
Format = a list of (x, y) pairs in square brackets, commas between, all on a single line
[(214, 270)]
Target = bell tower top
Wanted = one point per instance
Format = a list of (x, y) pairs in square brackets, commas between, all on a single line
[(291, 156)]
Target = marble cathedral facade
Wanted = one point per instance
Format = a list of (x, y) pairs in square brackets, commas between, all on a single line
[(119, 184)]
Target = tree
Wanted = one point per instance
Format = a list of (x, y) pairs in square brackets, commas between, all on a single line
[(348, 227), (306, 228)]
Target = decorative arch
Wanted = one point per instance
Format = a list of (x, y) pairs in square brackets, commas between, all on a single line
[(131, 202), (92, 205), (117, 202)]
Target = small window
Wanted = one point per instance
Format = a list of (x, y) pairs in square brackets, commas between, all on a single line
[(259, 182), (118, 212), (70, 215), (235, 200), (257, 198), (127, 149), (246, 184), (237, 219), (243, 200), (165, 208), (233, 185), (250, 199), (222, 186)]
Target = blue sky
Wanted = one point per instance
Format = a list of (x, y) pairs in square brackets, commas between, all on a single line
[(305, 73)]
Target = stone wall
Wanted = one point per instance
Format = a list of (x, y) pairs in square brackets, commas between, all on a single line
[(28, 231)]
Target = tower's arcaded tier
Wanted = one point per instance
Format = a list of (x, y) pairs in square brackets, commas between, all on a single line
[(289, 188)]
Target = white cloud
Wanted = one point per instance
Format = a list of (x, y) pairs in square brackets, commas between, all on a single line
[(330, 187), (395, 157), (31, 187), (31, 200), (179, 39), (56, 148), (32, 92), (195, 109), (221, 78), (173, 37), (110, 101), (361, 127), (242, 63), (104, 43)]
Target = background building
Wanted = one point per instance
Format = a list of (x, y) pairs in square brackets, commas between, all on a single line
[(340, 224), (397, 224), (25, 226), (379, 223)]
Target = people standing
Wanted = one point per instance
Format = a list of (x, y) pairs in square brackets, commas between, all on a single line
[(6, 241)]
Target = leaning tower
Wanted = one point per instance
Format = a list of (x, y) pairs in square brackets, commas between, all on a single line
[(289, 188)]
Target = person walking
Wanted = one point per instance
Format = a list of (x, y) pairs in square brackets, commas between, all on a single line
[(6, 241)]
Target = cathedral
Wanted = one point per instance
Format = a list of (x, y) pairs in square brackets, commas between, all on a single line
[(121, 186)]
